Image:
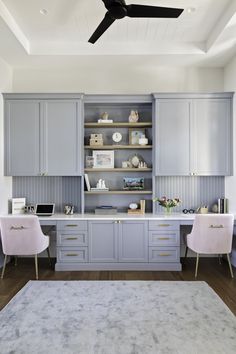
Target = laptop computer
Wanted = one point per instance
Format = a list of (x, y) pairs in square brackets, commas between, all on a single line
[(44, 209)]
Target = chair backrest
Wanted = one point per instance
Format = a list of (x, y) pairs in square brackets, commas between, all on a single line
[(212, 233), (21, 235)]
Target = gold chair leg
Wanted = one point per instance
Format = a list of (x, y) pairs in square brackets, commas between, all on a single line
[(36, 266), (4, 266), (230, 266), (49, 257), (186, 252), (196, 269)]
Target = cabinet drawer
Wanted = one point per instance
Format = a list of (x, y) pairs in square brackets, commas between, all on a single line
[(72, 254), (164, 238), (72, 225), (72, 238), (164, 254), (163, 225)]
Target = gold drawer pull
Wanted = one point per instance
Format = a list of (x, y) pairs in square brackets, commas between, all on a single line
[(72, 238), (216, 227), (17, 228), (163, 238), (72, 225), (72, 254), (164, 254), (164, 225)]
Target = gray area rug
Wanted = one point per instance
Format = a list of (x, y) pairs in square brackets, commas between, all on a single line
[(117, 317)]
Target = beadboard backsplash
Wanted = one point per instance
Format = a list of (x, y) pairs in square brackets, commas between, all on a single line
[(193, 191), (58, 190)]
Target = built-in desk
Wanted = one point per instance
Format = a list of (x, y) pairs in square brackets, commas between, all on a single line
[(118, 242)]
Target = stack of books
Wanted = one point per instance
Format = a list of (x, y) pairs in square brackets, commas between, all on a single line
[(105, 120), (223, 207)]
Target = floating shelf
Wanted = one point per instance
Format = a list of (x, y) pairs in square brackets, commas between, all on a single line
[(118, 169), (119, 192), (119, 125), (117, 147)]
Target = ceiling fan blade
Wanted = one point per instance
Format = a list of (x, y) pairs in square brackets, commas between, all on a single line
[(152, 11), (104, 25)]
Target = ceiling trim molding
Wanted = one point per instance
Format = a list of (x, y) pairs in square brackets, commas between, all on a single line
[(221, 25), (13, 26)]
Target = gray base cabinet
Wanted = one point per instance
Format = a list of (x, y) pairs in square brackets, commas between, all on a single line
[(118, 245)]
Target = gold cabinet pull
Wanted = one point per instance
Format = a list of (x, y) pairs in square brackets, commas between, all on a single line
[(72, 225), (164, 225), (72, 254), (72, 238), (163, 238), (164, 254), (216, 227)]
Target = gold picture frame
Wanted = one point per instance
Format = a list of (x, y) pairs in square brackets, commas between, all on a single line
[(135, 134)]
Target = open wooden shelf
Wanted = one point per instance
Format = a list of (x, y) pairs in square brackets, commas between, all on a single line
[(117, 147), (118, 125), (118, 169), (119, 192)]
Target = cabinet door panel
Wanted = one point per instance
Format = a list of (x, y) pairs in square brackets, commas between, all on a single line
[(103, 240), (172, 137), (22, 124), (62, 143), (133, 241), (210, 134)]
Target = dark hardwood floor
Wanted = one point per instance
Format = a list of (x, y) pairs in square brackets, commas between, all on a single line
[(217, 276)]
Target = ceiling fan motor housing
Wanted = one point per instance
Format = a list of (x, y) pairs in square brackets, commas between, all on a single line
[(117, 11)]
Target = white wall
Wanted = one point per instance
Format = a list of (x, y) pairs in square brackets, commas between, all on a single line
[(230, 85), (132, 74), (5, 182)]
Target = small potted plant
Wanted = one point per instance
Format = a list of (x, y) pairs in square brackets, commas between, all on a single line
[(167, 203)]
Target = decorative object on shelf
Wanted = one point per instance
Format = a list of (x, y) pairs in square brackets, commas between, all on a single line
[(18, 205), (141, 210), (29, 209), (135, 134), (143, 140), (105, 210), (167, 203), (133, 117), (202, 210), (103, 159), (100, 186), (126, 164), (86, 178), (190, 211), (89, 161), (133, 183), (214, 208), (96, 139), (136, 160), (69, 209), (104, 118), (142, 164), (116, 137), (223, 205), (133, 206)]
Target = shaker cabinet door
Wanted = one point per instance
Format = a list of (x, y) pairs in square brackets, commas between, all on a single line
[(172, 143), (22, 125), (211, 137), (61, 145), (103, 241)]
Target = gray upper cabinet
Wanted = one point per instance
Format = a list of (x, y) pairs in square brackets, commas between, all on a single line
[(43, 134), (22, 146), (172, 137), (193, 134), (103, 241), (62, 140), (211, 137), (133, 241)]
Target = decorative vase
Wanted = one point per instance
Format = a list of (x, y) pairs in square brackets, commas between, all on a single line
[(168, 210)]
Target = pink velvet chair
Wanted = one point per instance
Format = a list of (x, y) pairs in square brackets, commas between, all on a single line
[(22, 235), (211, 234)]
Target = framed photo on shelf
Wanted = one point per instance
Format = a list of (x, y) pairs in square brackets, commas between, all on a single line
[(136, 183), (103, 159), (89, 162), (135, 134)]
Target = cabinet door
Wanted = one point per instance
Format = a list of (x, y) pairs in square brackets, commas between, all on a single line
[(211, 137), (22, 125), (172, 120), (103, 241), (61, 146), (133, 241)]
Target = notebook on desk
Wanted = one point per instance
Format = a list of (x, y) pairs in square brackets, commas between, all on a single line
[(46, 209)]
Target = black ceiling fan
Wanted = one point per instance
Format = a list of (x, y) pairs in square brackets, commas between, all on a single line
[(118, 9)]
